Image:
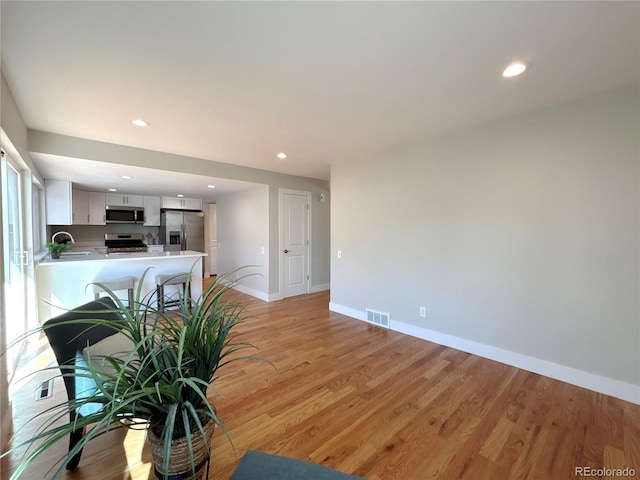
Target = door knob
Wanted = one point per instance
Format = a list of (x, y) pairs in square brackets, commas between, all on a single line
[(286, 251)]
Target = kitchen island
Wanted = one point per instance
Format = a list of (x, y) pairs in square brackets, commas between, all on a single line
[(64, 283)]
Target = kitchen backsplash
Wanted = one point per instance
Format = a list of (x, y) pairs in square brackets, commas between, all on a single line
[(94, 234)]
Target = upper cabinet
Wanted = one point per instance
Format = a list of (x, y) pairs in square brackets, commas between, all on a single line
[(97, 204), (124, 200), (192, 203), (72, 206), (58, 200), (79, 207), (171, 202), (152, 211), (182, 203), (87, 207)]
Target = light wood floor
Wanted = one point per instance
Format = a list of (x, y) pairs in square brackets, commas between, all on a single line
[(380, 405)]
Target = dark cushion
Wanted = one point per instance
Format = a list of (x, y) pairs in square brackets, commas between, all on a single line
[(263, 466)]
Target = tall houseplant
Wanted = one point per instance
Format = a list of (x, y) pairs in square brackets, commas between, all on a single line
[(161, 383)]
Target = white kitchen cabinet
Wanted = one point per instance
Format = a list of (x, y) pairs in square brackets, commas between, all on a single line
[(171, 202), (79, 207), (125, 200), (191, 203), (87, 207), (58, 202), (97, 204), (152, 211), (182, 203)]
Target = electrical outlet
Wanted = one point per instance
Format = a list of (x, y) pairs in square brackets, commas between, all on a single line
[(423, 312)]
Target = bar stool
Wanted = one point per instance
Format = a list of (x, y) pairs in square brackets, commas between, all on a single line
[(116, 284), (172, 279)]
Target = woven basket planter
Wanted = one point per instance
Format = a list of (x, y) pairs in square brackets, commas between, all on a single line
[(180, 462)]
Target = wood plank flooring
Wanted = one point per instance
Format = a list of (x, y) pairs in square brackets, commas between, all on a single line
[(380, 405)]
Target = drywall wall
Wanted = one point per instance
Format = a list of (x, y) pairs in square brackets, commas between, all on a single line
[(243, 233), (53, 144), (14, 133), (521, 235), (320, 241)]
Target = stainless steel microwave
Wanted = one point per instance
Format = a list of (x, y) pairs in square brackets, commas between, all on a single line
[(119, 214)]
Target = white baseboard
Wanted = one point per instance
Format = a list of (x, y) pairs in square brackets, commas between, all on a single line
[(273, 297), (319, 288), (348, 311), (253, 292), (598, 383), (266, 297)]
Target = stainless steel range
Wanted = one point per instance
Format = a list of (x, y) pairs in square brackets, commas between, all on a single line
[(124, 242)]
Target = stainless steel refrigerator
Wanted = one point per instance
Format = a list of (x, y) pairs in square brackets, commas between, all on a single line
[(182, 230)]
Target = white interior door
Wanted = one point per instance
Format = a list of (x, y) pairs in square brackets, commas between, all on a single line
[(295, 241)]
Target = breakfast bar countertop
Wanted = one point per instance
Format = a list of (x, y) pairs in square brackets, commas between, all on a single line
[(99, 254), (65, 283)]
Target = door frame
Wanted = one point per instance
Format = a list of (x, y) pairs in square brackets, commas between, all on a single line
[(11, 159), (281, 193)]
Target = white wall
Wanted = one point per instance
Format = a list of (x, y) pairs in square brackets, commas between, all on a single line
[(243, 231), (320, 241), (210, 236), (519, 237)]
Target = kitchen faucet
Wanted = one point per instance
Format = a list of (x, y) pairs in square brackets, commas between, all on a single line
[(66, 233)]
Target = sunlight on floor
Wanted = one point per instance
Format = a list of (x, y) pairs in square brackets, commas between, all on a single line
[(126, 448), (43, 357), (134, 443)]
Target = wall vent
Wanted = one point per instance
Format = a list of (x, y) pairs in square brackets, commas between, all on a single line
[(44, 390), (378, 318)]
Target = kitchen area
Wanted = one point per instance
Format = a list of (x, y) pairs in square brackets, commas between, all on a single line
[(114, 235), (157, 222)]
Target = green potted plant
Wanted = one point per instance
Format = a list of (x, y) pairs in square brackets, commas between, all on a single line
[(57, 248), (160, 383)]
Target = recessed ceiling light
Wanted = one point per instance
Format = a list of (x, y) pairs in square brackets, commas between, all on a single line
[(180, 195), (138, 122), (113, 190), (281, 155), (126, 177), (516, 68), (211, 186)]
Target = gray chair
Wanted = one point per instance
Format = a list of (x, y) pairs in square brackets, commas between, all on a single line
[(181, 280), (68, 335), (116, 284)]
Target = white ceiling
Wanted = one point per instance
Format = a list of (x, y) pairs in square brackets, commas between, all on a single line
[(325, 82)]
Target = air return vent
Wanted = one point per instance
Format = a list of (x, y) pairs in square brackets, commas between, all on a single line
[(44, 390), (378, 318)]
